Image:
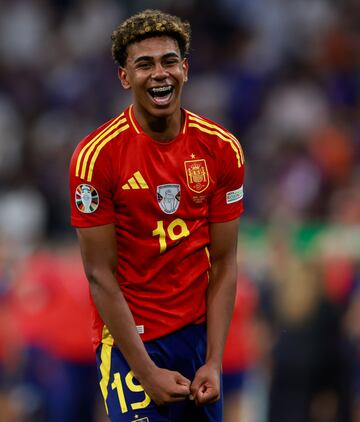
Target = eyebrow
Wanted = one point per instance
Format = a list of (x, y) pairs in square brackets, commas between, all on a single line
[(149, 58)]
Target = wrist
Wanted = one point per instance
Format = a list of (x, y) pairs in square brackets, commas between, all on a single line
[(214, 363), (145, 371)]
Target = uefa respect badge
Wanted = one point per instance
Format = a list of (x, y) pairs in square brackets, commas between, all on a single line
[(86, 198)]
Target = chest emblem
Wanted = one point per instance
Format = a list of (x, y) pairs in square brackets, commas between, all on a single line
[(168, 197), (197, 175)]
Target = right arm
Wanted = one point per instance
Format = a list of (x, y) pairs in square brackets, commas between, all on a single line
[(99, 253)]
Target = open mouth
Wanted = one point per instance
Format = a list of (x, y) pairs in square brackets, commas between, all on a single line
[(162, 94)]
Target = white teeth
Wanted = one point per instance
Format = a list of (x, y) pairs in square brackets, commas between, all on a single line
[(161, 89)]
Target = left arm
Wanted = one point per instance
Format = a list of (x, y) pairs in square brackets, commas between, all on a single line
[(220, 303)]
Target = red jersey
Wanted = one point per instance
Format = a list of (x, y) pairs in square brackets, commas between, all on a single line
[(160, 197), (49, 304)]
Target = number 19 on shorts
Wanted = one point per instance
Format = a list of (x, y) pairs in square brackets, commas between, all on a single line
[(118, 385)]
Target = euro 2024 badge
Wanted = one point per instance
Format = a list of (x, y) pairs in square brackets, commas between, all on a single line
[(86, 198), (168, 197)]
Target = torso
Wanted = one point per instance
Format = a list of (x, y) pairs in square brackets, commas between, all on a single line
[(162, 197)]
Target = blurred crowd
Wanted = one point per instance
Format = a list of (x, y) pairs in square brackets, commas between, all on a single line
[(284, 77)]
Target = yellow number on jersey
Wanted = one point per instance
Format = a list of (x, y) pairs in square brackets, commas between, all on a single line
[(176, 230)]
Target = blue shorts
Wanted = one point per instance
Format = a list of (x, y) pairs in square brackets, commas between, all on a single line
[(233, 382), (125, 400)]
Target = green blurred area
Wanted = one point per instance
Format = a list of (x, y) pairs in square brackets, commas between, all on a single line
[(306, 239)]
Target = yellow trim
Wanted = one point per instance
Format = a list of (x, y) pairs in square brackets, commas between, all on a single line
[(185, 122), (100, 147), (107, 129), (215, 132), (140, 180), (133, 184), (208, 254), (125, 187), (132, 120), (105, 371), (106, 337), (93, 144), (198, 119)]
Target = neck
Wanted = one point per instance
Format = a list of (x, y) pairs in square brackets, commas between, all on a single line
[(162, 129)]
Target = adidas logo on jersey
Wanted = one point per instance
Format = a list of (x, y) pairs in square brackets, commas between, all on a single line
[(135, 182)]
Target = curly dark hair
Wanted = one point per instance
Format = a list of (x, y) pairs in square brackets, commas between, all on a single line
[(146, 24)]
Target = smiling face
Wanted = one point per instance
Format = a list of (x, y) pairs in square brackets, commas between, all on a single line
[(156, 72)]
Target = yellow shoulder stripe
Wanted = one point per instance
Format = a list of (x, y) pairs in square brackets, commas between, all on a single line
[(233, 144), (198, 119), (107, 129), (99, 148), (132, 120), (195, 118)]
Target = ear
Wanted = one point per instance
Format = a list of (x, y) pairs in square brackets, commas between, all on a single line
[(123, 76), (185, 66)]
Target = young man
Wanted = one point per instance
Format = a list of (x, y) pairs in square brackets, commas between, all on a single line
[(156, 194)]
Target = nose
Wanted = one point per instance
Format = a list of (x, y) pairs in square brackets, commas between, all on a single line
[(159, 72)]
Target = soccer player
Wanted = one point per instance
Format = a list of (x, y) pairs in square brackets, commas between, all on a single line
[(156, 194)]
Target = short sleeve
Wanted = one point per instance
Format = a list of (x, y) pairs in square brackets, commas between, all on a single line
[(91, 189), (227, 201)]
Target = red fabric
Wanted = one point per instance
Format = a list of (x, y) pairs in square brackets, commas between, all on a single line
[(165, 291), (240, 348), (338, 278), (50, 304)]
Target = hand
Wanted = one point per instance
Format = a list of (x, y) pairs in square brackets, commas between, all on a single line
[(206, 385), (165, 387)]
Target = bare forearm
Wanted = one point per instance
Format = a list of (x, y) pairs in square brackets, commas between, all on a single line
[(99, 253), (117, 316), (220, 305), (205, 387)]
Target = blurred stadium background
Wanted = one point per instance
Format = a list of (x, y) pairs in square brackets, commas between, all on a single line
[(284, 76)]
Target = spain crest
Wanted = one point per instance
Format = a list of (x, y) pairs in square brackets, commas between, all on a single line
[(86, 198), (197, 175)]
